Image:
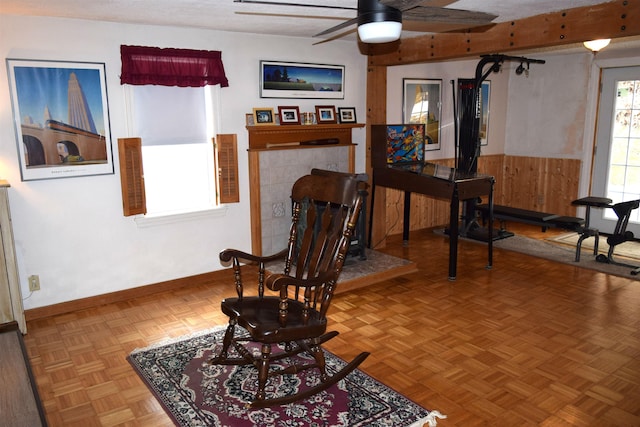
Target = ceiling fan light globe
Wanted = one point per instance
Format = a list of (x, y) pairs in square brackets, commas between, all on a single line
[(380, 32)]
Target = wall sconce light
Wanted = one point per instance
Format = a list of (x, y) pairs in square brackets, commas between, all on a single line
[(597, 45)]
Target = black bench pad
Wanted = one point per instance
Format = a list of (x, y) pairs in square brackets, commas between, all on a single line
[(567, 222), (527, 216)]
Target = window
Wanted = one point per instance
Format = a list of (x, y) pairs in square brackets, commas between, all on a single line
[(172, 112), (176, 126)]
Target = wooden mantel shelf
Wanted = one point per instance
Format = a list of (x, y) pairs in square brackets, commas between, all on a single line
[(265, 137)]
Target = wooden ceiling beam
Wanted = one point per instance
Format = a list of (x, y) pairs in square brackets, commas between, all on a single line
[(619, 18)]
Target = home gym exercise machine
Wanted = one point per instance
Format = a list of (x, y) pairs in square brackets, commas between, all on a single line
[(467, 142)]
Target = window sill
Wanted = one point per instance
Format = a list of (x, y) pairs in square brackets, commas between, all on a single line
[(145, 221)]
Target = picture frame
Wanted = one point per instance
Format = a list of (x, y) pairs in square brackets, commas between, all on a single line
[(422, 103), (347, 115), (248, 118), (301, 80), (263, 116), (485, 97), (61, 118), (325, 114), (289, 115)]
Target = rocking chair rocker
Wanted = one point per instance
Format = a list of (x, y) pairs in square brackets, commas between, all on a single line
[(325, 210)]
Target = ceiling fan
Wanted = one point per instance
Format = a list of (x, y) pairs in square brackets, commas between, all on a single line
[(381, 21)]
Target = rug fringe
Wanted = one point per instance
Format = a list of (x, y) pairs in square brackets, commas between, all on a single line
[(429, 420)]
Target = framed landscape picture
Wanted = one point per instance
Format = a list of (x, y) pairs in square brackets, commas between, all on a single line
[(61, 118), (300, 80)]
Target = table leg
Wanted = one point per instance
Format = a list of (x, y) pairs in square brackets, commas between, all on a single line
[(453, 234), (490, 241), (407, 217), (371, 200)]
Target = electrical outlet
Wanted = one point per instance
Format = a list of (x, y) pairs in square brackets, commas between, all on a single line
[(34, 283)]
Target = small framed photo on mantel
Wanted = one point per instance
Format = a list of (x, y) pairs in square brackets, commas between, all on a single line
[(347, 115), (263, 116), (289, 115), (325, 114)]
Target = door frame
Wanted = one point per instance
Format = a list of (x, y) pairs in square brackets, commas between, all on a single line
[(605, 59)]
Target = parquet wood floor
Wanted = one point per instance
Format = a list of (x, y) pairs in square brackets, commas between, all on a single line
[(529, 342)]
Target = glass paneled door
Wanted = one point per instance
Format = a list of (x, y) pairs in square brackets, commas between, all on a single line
[(616, 173)]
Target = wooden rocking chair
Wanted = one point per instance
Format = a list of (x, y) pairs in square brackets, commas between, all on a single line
[(325, 210)]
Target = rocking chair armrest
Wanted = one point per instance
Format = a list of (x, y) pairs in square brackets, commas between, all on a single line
[(228, 254), (277, 282)]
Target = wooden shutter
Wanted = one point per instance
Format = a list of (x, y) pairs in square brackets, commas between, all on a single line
[(227, 158), (131, 176)]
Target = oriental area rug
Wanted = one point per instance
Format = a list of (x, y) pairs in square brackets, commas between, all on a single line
[(195, 393)]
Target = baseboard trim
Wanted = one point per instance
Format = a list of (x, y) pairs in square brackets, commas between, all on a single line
[(223, 276)]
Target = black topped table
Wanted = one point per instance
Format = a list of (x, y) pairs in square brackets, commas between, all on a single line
[(440, 182)]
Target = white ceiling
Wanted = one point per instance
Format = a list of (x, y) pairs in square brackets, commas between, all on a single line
[(226, 15)]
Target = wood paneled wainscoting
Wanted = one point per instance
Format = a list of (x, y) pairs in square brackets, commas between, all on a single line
[(539, 183), (536, 183)]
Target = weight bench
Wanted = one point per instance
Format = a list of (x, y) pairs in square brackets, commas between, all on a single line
[(543, 220), (620, 234)]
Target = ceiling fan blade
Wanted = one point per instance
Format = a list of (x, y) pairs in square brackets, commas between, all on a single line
[(277, 3), (340, 26), (335, 37), (287, 15), (441, 14), (403, 5)]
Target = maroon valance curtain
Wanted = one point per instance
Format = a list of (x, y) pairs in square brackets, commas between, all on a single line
[(143, 65)]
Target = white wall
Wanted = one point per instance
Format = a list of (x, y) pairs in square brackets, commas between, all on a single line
[(546, 115), (71, 232)]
